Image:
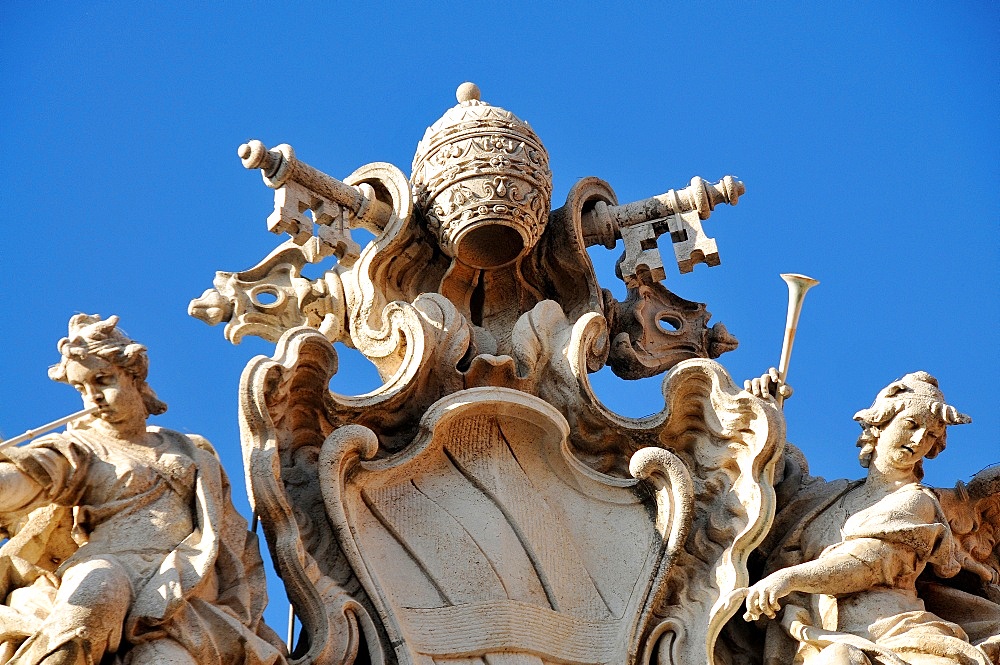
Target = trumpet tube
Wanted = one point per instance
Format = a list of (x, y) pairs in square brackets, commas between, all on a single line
[(47, 427), (798, 285)]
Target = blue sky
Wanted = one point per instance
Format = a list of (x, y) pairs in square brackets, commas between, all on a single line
[(867, 136)]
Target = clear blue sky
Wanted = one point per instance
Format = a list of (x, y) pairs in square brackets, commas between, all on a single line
[(867, 136)]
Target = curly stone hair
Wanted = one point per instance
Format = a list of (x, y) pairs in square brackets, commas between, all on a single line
[(916, 388), (89, 335)]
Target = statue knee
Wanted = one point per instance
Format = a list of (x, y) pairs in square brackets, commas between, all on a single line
[(93, 600), (841, 654), (99, 585)]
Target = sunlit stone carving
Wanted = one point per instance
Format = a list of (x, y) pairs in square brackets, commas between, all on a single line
[(862, 572), (124, 544), (481, 176), (482, 506), (482, 503)]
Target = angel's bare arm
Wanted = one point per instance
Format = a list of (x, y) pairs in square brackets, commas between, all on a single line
[(833, 575)]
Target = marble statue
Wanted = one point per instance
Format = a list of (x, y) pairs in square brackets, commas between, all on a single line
[(483, 507), (842, 576), (124, 546)]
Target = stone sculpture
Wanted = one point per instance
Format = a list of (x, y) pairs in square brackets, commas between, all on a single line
[(482, 506), (124, 545), (846, 556)]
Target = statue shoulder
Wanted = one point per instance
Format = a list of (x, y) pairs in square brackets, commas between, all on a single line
[(814, 495), (916, 499), (203, 444), (195, 440), (202, 452)]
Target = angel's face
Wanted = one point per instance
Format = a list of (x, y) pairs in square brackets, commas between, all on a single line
[(908, 437), (112, 390)]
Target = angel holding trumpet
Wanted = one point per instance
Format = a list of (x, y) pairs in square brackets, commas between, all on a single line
[(845, 557)]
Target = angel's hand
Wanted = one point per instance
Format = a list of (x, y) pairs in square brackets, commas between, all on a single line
[(764, 597), (768, 385)]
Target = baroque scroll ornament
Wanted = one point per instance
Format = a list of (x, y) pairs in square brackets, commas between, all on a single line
[(482, 505)]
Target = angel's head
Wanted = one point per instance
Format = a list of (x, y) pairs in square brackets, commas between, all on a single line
[(906, 423), (108, 368)]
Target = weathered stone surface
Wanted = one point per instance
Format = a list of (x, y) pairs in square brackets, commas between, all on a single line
[(482, 503), (482, 506), (124, 544), (860, 571)]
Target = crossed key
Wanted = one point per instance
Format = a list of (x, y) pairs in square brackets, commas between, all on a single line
[(677, 212)]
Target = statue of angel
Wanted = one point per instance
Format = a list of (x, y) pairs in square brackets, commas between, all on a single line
[(124, 544), (847, 556)]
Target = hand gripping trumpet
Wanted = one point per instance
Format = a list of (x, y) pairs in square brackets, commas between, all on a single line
[(797, 287), (48, 427)]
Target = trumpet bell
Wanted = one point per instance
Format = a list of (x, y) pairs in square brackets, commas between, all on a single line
[(800, 282)]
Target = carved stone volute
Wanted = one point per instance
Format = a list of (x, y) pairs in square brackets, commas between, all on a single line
[(482, 503)]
